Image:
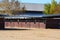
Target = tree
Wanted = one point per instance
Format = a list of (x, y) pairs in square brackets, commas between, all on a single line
[(50, 8), (47, 8), (5, 5), (53, 5), (15, 6), (12, 7), (23, 9), (57, 9)]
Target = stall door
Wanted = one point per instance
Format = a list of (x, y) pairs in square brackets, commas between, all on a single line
[(1, 23)]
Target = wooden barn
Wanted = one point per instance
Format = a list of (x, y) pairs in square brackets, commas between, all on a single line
[(33, 21), (30, 21), (24, 21)]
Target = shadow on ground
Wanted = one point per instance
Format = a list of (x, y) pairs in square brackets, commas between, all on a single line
[(14, 29)]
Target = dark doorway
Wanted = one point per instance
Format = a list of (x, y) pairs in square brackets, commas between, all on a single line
[(1, 23), (53, 23)]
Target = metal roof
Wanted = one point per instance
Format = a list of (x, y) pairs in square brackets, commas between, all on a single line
[(32, 6), (23, 16), (52, 16), (33, 16)]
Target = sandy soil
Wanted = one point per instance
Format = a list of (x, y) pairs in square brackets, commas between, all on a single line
[(35, 34)]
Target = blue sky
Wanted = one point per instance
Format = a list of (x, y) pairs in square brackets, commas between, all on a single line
[(37, 1)]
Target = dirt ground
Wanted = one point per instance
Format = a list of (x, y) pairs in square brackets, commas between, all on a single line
[(34, 34)]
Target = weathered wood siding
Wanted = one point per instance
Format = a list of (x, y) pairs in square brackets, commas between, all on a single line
[(25, 24)]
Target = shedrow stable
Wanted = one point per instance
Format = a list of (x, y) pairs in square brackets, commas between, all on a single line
[(33, 17), (30, 21)]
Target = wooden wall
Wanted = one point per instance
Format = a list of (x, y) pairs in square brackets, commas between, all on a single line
[(24, 25)]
